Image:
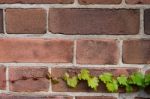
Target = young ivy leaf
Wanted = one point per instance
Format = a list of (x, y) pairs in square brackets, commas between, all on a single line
[(137, 79), (71, 81), (112, 86), (84, 75), (93, 82), (147, 80), (122, 80), (106, 77)]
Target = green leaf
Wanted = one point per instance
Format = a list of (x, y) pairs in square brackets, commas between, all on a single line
[(112, 86), (147, 79), (93, 82), (66, 76), (129, 88), (137, 79), (122, 80), (71, 81), (84, 75), (106, 77)]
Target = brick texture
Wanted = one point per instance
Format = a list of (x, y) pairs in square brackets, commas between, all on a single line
[(136, 51), (1, 21), (138, 1), (148, 87), (97, 52), (147, 21), (28, 79), (36, 50), (9, 96), (25, 21), (82, 87), (141, 98), (36, 1), (100, 1), (96, 97), (2, 78), (41, 40), (94, 21)]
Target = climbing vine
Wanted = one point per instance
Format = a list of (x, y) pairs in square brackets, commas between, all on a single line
[(112, 83)]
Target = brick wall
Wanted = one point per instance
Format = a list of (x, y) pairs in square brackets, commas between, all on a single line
[(38, 37)]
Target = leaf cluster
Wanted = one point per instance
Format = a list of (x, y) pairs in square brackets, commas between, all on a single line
[(112, 83)]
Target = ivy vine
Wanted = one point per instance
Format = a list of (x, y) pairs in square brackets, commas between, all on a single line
[(112, 83)]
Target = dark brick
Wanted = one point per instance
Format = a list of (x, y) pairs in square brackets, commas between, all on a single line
[(36, 50), (37, 1), (147, 21), (100, 1), (2, 77), (136, 51), (25, 21), (28, 79), (9, 96), (138, 1), (97, 52), (95, 97), (1, 21), (94, 21)]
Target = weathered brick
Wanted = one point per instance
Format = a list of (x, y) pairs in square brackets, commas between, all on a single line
[(100, 1), (1, 21), (36, 50), (94, 21), (97, 52), (141, 98), (58, 73), (28, 79), (138, 1), (96, 97), (136, 51), (147, 21), (10, 96), (148, 87), (25, 21), (37, 1), (2, 77)]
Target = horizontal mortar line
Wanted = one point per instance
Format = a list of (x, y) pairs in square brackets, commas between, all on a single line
[(113, 66), (62, 93), (71, 65), (74, 37), (87, 94), (74, 6), (38, 64)]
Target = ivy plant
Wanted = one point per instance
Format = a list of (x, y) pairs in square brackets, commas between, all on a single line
[(112, 83)]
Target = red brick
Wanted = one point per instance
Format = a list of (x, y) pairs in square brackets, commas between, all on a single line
[(2, 77), (28, 79), (147, 21), (25, 21), (93, 21), (141, 98), (58, 73), (148, 87), (36, 50), (100, 1), (136, 51), (138, 1), (97, 52), (37, 1), (1, 21), (9, 96), (95, 97)]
